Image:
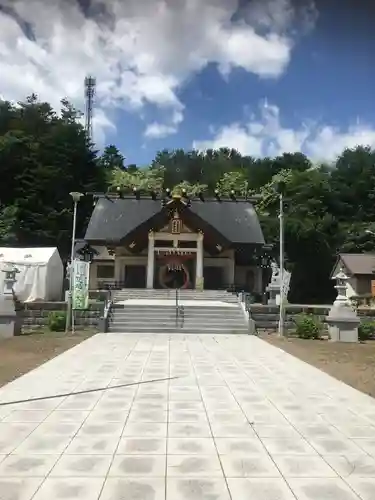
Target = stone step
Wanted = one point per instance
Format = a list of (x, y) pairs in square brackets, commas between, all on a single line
[(186, 322), (199, 315), (156, 294), (161, 318), (181, 294), (205, 299), (188, 311), (159, 307), (188, 319), (173, 292), (173, 329)]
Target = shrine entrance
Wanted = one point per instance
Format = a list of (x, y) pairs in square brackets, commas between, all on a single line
[(174, 277), (175, 256), (174, 269)]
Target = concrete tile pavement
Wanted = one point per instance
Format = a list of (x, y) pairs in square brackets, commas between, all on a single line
[(243, 420)]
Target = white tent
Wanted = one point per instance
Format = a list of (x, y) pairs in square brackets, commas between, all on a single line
[(41, 272)]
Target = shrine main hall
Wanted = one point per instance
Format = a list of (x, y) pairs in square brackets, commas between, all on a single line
[(175, 242)]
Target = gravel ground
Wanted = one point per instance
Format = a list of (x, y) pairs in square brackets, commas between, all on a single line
[(19, 355), (354, 364)]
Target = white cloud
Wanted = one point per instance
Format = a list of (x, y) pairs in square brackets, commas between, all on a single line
[(264, 135), (157, 130), (141, 51)]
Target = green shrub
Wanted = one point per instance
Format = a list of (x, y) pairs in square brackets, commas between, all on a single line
[(308, 326), (57, 321), (366, 330)]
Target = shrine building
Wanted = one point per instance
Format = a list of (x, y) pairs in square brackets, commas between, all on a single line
[(146, 242)]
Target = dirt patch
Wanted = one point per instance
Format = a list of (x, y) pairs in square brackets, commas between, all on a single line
[(354, 364), (19, 355)]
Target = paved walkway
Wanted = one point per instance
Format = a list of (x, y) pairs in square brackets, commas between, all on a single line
[(244, 421)]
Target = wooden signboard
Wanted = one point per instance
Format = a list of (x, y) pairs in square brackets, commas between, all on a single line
[(373, 288)]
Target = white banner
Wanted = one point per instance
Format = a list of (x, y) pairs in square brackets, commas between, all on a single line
[(81, 274), (286, 283)]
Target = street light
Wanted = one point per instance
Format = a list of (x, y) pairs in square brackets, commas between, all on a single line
[(76, 196), (281, 190)]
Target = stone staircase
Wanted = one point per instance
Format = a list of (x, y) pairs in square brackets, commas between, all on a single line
[(142, 293), (154, 311)]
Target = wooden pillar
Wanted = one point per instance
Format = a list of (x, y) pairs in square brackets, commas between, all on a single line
[(150, 260), (199, 265)]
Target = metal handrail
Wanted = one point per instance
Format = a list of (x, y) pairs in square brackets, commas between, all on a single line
[(182, 316), (180, 311), (107, 311)]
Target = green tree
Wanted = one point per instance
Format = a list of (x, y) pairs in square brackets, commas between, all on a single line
[(112, 158), (145, 179), (8, 224), (310, 231), (353, 180), (44, 155), (233, 181), (191, 190)]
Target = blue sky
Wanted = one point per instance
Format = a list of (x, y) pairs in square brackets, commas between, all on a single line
[(270, 77)]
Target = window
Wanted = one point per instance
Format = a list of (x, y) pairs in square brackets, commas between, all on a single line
[(104, 272), (164, 243), (187, 244)]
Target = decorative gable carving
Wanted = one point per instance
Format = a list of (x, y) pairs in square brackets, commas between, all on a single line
[(184, 229)]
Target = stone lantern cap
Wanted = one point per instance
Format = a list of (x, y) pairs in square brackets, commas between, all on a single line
[(10, 270), (340, 276)]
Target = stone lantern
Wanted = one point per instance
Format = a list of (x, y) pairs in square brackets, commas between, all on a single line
[(274, 286), (342, 319), (341, 287), (8, 317), (10, 279)]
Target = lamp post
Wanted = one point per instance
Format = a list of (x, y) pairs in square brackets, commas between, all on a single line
[(281, 189), (76, 196)]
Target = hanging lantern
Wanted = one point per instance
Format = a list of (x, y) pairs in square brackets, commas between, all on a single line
[(87, 253)]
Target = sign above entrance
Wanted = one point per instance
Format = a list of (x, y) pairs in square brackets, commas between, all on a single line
[(176, 224)]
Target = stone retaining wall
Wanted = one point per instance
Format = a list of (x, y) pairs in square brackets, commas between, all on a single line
[(267, 317), (35, 315)]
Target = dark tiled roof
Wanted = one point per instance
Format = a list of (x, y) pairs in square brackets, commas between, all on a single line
[(358, 263), (114, 218)]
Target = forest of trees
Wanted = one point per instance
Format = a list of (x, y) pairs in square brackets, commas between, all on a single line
[(45, 154)]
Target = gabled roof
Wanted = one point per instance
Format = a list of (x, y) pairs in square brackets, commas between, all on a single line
[(358, 263), (113, 219), (29, 255)]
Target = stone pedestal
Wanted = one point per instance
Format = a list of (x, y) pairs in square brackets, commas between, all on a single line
[(343, 324), (274, 293), (8, 317), (9, 320)]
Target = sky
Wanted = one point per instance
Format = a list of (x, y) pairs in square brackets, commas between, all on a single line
[(261, 76)]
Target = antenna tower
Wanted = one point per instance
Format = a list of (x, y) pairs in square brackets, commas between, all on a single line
[(90, 85)]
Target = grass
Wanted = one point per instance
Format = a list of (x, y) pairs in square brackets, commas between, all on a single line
[(353, 364), (21, 354)]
